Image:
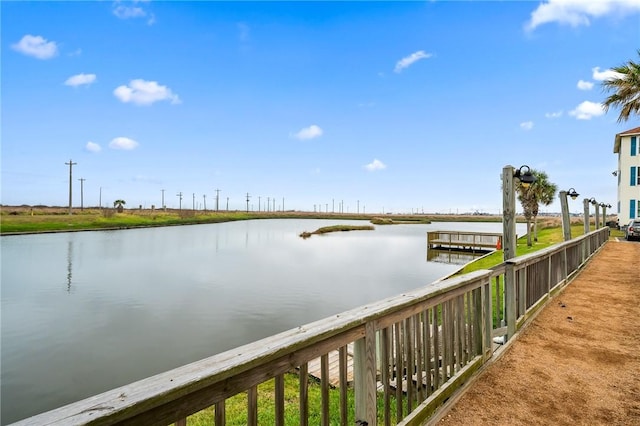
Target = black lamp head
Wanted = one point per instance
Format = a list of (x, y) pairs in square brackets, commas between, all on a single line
[(526, 177), (572, 193)]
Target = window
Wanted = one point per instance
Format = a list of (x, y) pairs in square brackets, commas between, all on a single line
[(632, 209), (634, 146), (634, 177)]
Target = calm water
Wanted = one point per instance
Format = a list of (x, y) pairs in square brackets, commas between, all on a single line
[(86, 312)]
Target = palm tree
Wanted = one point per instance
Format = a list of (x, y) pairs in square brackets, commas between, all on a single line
[(119, 205), (542, 191), (626, 87)]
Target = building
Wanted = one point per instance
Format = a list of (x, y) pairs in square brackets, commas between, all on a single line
[(627, 146)]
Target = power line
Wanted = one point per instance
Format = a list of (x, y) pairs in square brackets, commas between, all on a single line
[(248, 196)]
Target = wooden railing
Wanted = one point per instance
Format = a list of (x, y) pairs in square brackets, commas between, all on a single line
[(410, 353), (463, 240)]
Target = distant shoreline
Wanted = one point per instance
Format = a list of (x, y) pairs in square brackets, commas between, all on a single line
[(24, 220)]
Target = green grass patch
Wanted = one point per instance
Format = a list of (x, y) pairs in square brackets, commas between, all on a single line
[(337, 228), (406, 220), (236, 406)]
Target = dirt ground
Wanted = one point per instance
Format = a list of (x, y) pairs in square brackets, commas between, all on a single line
[(577, 363)]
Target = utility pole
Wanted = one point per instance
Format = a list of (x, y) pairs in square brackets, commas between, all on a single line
[(358, 206), (227, 203), (282, 203), (193, 207), (333, 205), (70, 164), (274, 204), (163, 206), (248, 196), (100, 199), (204, 198), (217, 198), (268, 203), (82, 193), (259, 208), (179, 194)]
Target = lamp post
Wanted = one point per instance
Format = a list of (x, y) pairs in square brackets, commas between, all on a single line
[(566, 223), (604, 213), (526, 178), (595, 204)]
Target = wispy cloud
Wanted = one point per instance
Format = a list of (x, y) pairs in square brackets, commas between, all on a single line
[(585, 85), (578, 12), (605, 75), (36, 46), (587, 110), (554, 114), (80, 80), (407, 61), (132, 11), (142, 92), (123, 143), (307, 133), (93, 147), (527, 125), (375, 165)]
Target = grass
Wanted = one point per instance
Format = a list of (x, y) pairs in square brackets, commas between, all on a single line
[(236, 406), (337, 228), (392, 221)]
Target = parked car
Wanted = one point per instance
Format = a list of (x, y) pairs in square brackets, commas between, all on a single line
[(632, 230)]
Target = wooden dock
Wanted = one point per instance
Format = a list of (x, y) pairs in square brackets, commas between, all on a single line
[(463, 240)]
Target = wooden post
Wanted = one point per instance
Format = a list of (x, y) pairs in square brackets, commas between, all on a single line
[(508, 213), (604, 215), (566, 224), (597, 216), (587, 251), (364, 370), (509, 246)]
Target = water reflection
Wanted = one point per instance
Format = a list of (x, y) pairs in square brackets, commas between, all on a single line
[(69, 264), (454, 257)]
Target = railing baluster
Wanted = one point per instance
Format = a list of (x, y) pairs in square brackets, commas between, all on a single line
[(398, 371), (386, 377), (304, 394), (279, 400), (410, 363), (428, 366), (220, 417), (344, 415), (324, 385), (252, 406)]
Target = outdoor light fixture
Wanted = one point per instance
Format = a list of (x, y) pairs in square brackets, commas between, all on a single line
[(526, 177), (593, 201), (572, 193), (615, 173)]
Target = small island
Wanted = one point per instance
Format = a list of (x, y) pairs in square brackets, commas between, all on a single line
[(337, 228)]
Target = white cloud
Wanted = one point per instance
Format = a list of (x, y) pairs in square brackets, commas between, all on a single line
[(310, 132), (36, 46), (585, 85), (375, 165), (554, 114), (605, 75), (527, 125), (587, 110), (141, 92), (93, 147), (80, 79), (123, 143), (579, 12), (133, 11), (407, 61)]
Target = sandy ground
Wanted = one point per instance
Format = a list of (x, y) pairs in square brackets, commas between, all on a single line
[(577, 363)]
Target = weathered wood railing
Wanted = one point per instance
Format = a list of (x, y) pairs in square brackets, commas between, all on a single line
[(411, 352), (463, 240)]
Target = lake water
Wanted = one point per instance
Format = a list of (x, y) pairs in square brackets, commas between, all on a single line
[(85, 312)]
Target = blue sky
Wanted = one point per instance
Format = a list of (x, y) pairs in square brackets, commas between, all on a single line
[(385, 106)]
